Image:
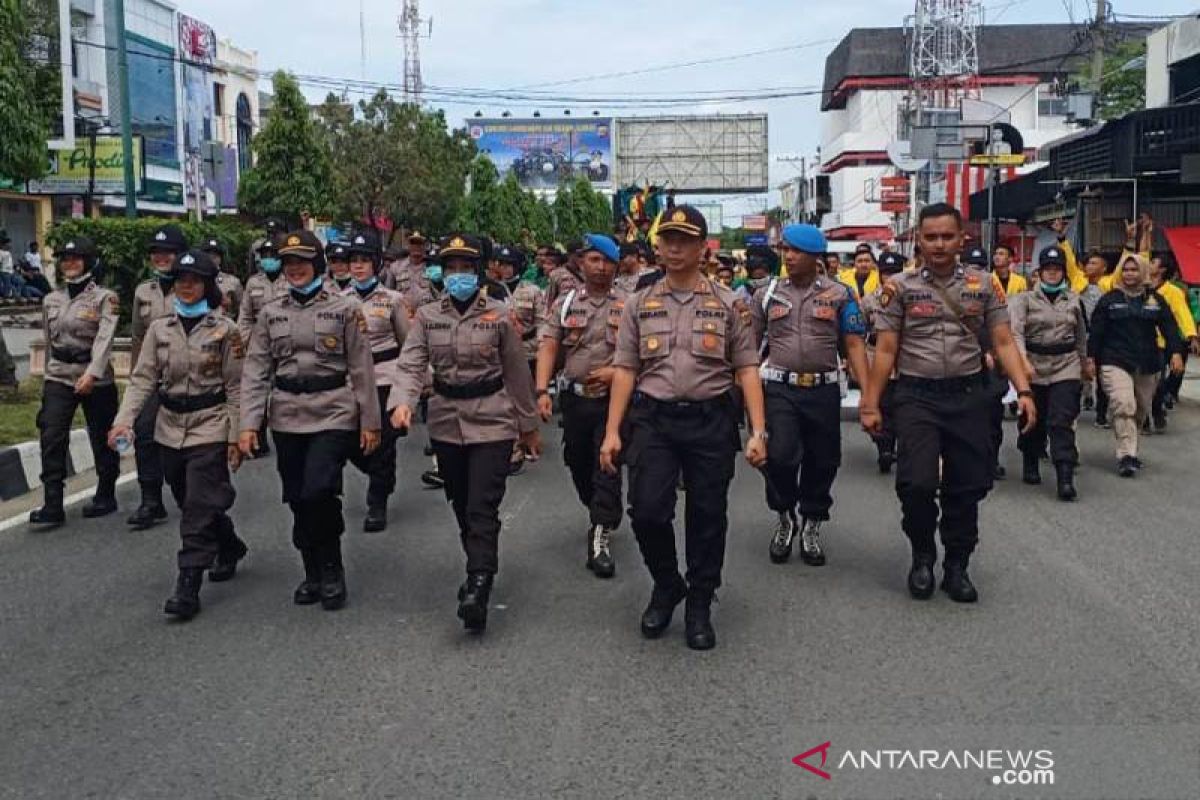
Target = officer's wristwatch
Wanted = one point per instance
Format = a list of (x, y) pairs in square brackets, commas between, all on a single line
[(1025, 393), (543, 393), (760, 435)]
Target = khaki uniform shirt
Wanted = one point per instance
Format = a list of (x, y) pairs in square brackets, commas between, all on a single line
[(86, 324), (387, 326), (628, 282), (179, 364), (562, 280), (322, 338), (685, 347), (1038, 320), (529, 307), (479, 345), (400, 275), (149, 303), (934, 343), (587, 330), (802, 326), (260, 290), (420, 291), (231, 293)]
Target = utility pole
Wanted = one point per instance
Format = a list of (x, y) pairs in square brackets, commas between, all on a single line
[(1098, 46), (118, 9)]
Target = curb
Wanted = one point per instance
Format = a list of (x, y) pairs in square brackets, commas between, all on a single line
[(21, 464)]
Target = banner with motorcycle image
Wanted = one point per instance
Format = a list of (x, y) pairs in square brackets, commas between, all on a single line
[(544, 153)]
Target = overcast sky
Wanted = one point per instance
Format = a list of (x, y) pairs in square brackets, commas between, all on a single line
[(504, 44)]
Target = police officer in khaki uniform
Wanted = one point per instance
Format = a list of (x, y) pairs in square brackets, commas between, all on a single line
[(262, 287), (528, 302), (229, 284), (566, 277), (682, 344), (885, 441), (1050, 329), (402, 272), (337, 259), (387, 326), (151, 300), (309, 355), (79, 322), (583, 324), (929, 332), (192, 362), (802, 323), (482, 402)]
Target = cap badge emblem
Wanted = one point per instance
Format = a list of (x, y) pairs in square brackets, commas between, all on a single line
[(679, 216)]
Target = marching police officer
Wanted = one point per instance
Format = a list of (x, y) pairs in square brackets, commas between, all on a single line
[(528, 303), (1050, 330), (262, 287), (191, 360), (401, 273), (584, 324), (928, 331), (802, 323), (387, 325), (565, 277), (337, 260), (681, 345), (482, 403), (229, 284), (885, 441), (151, 300), (79, 322), (995, 379), (309, 356)]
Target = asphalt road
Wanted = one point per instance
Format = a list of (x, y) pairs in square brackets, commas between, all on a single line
[(1085, 642)]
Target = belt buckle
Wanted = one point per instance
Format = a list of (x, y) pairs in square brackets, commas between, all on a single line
[(806, 380)]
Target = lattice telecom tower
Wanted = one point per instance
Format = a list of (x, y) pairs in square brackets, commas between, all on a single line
[(410, 34), (944, 52)]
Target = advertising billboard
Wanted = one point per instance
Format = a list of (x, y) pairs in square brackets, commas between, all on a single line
[(198, 50), (71, 170), (543, 153), (152, 98), (713, 154)]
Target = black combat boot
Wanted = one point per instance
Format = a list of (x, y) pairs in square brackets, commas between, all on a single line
[(955, 581), (309, 590), (376, 519), (887, 456), (657, 616), (151, 511), (104, 502), (185, 603), (811, 551), (600, 560), (1066, 480), (333, 577), (781, 541), (51, 514), (473, 601), (697, 620), (227, 561), (1030, 470), (920, 577)]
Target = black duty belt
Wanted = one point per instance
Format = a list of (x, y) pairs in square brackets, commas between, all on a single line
[(391, 354), (966, 383), (468, 391), (682, 408), (1057, 349), (308, 385), (68, 355), (186, 403)]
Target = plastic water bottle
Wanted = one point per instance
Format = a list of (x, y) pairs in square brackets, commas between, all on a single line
[(123, 443)]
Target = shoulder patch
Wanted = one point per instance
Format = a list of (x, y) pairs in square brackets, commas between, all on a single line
[(360, 319), (887, 292), (743, 310)]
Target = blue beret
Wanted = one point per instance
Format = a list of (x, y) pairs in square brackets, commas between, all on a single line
[(604, 245), (805, 238)]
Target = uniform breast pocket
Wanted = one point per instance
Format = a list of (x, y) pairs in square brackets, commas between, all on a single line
[(708, 338), (441, 347), (329, 339), (654, 339), (485, 345), (573, 330), (824, 312), (282, 345)]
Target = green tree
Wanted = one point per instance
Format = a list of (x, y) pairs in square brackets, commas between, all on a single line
[(580, 209), (291, 172), (24, 125), (1122, 82)]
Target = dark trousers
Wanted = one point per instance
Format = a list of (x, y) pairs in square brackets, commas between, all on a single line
[(147, 452), (945, 455), (59, 403), (1172, 383), (1057, 410), (584, 420), (380, 466), (310, 466), (996, 424), (475, 477), (1101, 399), (199, 481), (805, 448), (1169, 385), (885, 440), (702, 444)]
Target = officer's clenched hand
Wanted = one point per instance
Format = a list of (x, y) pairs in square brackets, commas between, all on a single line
[(402, 418), (368, 441), (116, 432), (531, 442), (609, 450), (756, 451), (234, 455), (1089, 369), (601, 378), (871, 419), (1176, 364), (545, 407), (85, 384), (1195, 345), (248, 443), (1028, 412)]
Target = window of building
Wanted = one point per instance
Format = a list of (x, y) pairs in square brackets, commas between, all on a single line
[(218, 100), (1051, 103), (245, 131)]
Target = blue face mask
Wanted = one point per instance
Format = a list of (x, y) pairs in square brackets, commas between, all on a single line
[(434, 273), (367, 285), (271, 266), (312, 286), (191, 310), (462, 286)]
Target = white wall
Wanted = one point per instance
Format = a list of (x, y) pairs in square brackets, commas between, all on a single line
[(869, 122), (848, 194)]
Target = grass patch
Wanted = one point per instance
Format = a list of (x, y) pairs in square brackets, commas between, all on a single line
[(19, 410)]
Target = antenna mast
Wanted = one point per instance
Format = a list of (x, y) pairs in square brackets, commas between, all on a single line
[(410, 35)]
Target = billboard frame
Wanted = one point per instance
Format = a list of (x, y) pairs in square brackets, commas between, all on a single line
[(694, 154)]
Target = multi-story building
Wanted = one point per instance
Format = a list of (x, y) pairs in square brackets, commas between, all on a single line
[(1023, 70)]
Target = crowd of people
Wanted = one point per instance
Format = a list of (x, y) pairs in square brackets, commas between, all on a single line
[(664, 361)]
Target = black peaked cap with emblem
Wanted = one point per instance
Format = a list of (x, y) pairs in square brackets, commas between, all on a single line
[(976, 257), (168, 238), (81, 246), (300, 244), (460, 245), (891, 263), (366, 243), (1052, 255), (684, 219), (197, 262), (338, 251)]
